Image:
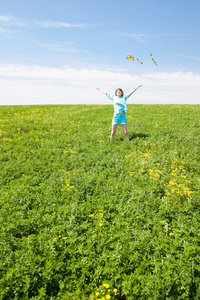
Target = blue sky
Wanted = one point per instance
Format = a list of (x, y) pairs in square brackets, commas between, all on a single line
[(58, 51)]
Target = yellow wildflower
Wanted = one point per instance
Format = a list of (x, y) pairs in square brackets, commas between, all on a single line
[(62, 238), (158, 171), (106, 285), (130, 56), (68, 186), (131, 173), (156, 176)]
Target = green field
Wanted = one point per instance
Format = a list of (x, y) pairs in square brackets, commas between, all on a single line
[(82, 218)]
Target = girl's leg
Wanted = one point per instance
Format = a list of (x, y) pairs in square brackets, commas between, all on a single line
[(124, 126), (114, 128)]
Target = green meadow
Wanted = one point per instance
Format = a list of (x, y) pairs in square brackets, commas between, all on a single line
[(82, 218)]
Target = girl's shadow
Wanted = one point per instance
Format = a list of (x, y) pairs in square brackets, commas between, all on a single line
[(133, 136)]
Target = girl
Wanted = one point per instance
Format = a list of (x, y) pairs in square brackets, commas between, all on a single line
[(120, 108)]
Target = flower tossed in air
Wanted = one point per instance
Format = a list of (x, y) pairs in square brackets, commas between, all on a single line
[(153, 59), (132, 57)]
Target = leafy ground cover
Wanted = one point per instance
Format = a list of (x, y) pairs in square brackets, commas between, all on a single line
[(83, 218)]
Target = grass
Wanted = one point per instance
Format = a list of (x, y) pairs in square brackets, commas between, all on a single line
[(87, 219)]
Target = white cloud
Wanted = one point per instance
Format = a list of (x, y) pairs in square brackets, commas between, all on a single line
[(44, 85), (3, 30), (58, 24), (61, 46), (137, 36), (4, 19), (8, 21), (191, 57)]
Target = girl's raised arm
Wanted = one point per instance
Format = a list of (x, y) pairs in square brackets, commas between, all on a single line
[(135, 89), (101, 90)]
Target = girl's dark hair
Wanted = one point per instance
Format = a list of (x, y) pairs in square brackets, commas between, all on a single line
[(119, 90)]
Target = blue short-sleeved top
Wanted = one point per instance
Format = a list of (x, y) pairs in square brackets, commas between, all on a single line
[(119, 103)]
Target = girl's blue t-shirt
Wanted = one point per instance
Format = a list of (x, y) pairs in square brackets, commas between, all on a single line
[(119, 103)]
